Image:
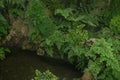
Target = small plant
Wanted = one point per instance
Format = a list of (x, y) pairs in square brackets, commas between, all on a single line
[(2, 52), (47, 75)]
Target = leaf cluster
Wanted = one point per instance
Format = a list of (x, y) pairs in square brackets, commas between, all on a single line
[(2, 52), (115, 24), (40, 23), (47, 75), (101, 57)]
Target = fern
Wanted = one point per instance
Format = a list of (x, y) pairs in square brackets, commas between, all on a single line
[(2, 52), (105, 31), (115, 24), (109, 11), (39, 21), (12, 3), (101, 53), (3, 26), (19, 2), (115, 45), (70, 16), (67, 44)]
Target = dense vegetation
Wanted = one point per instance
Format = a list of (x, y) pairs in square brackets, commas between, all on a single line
[(84, 32)]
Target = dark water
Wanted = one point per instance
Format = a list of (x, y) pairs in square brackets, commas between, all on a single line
[(21, 66)]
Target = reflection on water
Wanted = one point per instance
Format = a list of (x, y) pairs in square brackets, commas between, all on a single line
[(21, 66)]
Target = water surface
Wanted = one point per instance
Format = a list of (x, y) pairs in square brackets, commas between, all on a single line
[(22, 64)]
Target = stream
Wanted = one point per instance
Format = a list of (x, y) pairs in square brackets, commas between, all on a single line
[(21, 65)]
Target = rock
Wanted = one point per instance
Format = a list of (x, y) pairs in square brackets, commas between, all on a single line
[(17, 34), (87, 76), (40, 52), (26, 45), (89, 42)]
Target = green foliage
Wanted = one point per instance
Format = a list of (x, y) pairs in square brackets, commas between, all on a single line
[(47, 75), (3, 27), (115, 24), (1, 4), (40, 23), (105, 31), (65, 27), (69, 15), (70, 38), (101, 57), (13, 7), (68, 43), (52, 5), (2, 52), (111, 9), (13, 2), (115, 45)]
